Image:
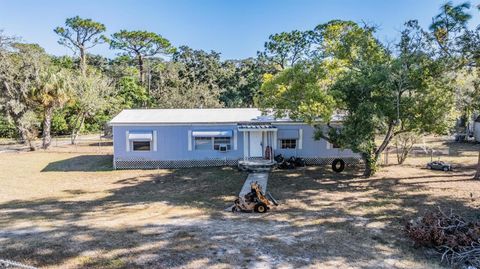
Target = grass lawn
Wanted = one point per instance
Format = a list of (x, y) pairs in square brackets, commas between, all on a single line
[(70, 210)]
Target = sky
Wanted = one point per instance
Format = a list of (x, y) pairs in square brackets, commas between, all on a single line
[(237, 29)]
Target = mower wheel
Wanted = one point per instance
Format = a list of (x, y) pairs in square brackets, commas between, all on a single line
[(261, 208)]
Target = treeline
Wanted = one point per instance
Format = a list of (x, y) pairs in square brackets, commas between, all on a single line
[(41, 94)]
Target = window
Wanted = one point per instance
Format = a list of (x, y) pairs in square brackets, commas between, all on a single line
[(217, 141), (141, 145), (288, 143), (332, 146), (203, 143)]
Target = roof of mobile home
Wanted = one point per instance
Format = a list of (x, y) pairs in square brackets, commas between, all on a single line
[(204, 115), (187, 116)]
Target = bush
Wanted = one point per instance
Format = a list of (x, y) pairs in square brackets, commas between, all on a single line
[(7, 129), (59, 123)]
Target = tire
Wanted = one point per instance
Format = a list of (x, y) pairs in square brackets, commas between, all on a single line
[(338, 165), (446, 169), (261, 208)]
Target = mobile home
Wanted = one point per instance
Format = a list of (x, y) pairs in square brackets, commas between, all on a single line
[(175, 138)]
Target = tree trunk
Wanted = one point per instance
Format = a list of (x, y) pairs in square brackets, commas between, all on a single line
[(76, 128), (477, 175), (140, 69), (31, 145), (47, 126), (370, 164), (83, 61)]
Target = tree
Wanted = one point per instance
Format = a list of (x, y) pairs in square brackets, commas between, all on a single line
[(176, 90), (391, 94), (51, 92), (191, 80), (378, 94), (460, 46), (29, 124), (131, 94), (240, 81), (92, 93), (20, 68), (286, 48), (449, 25), (403, 144), (139, 45), (80, 35), (301, 92)]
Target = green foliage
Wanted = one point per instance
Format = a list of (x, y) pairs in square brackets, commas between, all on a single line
[(65, 62), (59, 123), (377, 92), (96, 123), (80, 32), (286, 49), (53, 88), (92, 94), (131, 94), (20, 68), (142, 43), (300, 91), (139, 45), (192, 80), (80, 35), (450, 20), (241, 80), (7, 128)]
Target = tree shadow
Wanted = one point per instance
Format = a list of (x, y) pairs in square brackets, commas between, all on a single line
[(83, 163), (324, 218)]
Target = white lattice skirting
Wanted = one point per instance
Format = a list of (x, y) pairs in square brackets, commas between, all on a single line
[(149, 164), (152, 164)]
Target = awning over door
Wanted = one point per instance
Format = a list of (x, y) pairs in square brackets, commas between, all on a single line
[(256, 127), (287, 134), (140, 135), (226, 133)]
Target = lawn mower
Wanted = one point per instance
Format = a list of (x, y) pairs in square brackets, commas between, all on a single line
[(254, 201)]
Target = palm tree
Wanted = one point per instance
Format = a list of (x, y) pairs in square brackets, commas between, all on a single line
[(51, 92)]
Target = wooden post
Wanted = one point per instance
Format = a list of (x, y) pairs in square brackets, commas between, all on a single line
[(477, 174)]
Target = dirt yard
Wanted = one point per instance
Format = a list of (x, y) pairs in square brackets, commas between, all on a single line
[(70, 210)]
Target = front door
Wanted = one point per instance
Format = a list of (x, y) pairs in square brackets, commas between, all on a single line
[(256, 149)]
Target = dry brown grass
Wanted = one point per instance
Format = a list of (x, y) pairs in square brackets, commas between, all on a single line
[(70, 210)]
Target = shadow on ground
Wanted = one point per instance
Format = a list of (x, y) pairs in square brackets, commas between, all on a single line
[(82, 163), (325, 219)]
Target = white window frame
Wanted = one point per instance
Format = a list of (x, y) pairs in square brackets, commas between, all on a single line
[(153, 142), (192, 137)]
